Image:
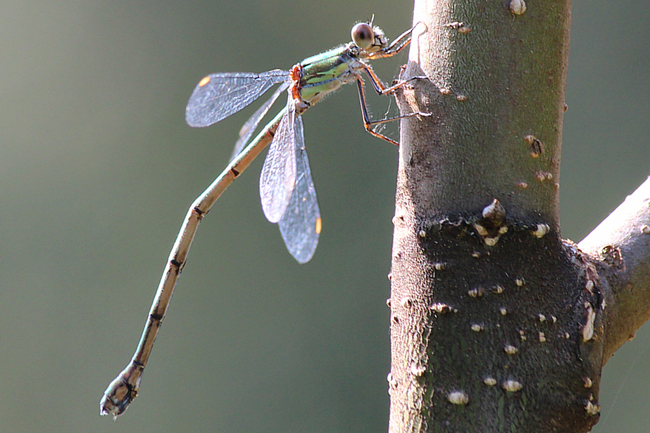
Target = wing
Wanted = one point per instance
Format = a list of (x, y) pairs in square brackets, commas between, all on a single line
[(251, 124), (301, 223), (217, 96), (279, 171)]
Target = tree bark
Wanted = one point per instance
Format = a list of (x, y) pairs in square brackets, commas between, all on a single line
[(620, 249), (496, 323)]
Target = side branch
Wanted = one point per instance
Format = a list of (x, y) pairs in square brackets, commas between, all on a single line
[(620, 249)]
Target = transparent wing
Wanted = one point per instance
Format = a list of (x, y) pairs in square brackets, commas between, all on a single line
[(301, 224), (279, 171), (217, 96), (246, 131)]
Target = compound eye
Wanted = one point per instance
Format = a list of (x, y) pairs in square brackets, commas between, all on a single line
[(363, 36)]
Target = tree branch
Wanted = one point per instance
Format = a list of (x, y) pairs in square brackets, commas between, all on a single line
[(496, 323), (620, 248)]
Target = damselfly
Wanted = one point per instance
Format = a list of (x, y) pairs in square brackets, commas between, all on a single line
[(286, 187)]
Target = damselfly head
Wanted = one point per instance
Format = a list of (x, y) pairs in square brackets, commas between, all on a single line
[(368, 38)]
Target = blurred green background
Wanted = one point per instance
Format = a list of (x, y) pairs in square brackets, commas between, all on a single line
[(97, 169)]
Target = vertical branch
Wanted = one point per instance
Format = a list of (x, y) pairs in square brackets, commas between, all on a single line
[(497, 94), (491, 328)]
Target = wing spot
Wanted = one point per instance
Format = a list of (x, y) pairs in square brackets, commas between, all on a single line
[(204, 81), (319, 225)]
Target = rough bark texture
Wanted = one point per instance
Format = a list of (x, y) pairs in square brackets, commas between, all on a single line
[(496, 323)]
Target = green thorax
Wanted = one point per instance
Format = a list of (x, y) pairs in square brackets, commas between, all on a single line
[(326, 72)]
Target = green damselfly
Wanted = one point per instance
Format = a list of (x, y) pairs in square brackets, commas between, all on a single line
[(286, 187)]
